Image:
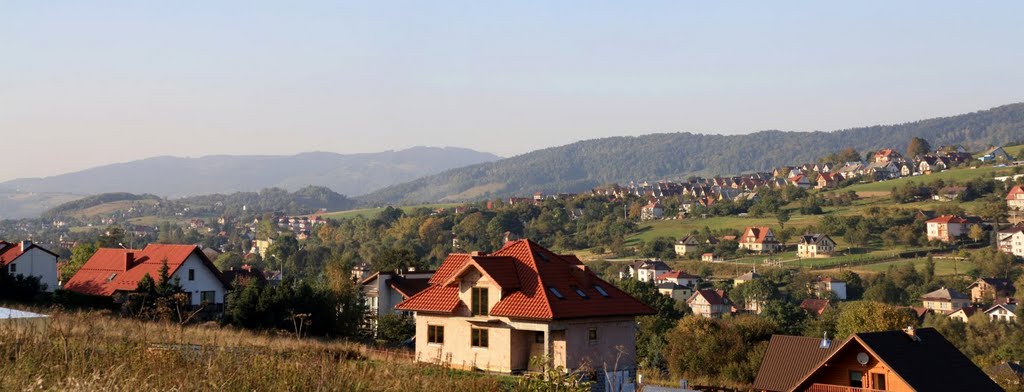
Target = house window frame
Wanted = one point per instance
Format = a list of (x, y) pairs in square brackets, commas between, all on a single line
[(211, 293), (878, 381), (191, 274), (478, 338), (592, 336), (478, 298), (860, 378), (12, 268), (435, 334)]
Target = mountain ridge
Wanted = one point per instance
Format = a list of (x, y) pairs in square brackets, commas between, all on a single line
[(579, 166)]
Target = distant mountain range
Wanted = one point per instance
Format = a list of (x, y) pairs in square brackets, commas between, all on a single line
[(351, 174), (580, 166)]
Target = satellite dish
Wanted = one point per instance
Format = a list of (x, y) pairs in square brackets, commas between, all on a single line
[(862, 358)]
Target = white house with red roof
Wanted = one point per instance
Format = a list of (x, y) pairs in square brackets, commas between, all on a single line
[(383, 290), (495, 312), (710, 303), (1011, 241), (27, 259), (1015, 199), (760, 240), (946, 228), (113, 272)]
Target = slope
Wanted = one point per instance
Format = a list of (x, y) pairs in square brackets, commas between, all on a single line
[(582, 165)]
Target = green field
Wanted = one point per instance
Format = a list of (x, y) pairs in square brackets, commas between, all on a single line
[(368, 212), (958, 175), (943, 267)]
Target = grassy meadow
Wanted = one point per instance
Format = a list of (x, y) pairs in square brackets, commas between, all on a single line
[(369, 212), (93, 351)]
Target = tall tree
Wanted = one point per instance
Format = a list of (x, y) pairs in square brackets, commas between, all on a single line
[(918, 146)]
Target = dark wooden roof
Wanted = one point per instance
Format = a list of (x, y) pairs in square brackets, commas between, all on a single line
[(787, 360), (928, 363)]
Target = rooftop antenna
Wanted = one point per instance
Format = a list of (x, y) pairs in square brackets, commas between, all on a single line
[(825, 343), (121, 244)]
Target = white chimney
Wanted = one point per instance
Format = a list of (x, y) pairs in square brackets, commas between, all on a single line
[(25, 245)]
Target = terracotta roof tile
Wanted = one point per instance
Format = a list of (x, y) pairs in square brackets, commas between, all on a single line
[(537, 270), (106, 271)]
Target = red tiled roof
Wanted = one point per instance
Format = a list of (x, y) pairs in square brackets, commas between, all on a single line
[(760, 233), (1016, 190), (537, 271), (948, 219), (714, 297), (815, 305), (675, 275), (105, 272), (9, 252)]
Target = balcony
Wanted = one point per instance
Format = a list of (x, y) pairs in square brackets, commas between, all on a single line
[(839, 388)]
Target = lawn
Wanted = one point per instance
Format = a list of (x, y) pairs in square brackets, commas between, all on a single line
[(368, 212), (958, 175), (943, 267), (677, 228)]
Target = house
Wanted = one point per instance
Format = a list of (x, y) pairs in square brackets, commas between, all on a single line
[(711, 258), (651, 211), (687, 245), (710, 303), (1011, 241), (989, 290), (1015, 198), (383, 290), (115, 272), (1003, 312), (828, 180), (760, 240), (929, 164), (815, 306), (907, 169), (882, 170), (28, 259), (243, 275), (945, 300), (674, 290), (949, 193), (828, 284), (494, 312), (887, 155), (678, 277), (964, 315), (915, 359), (747, 277), (946, 228), (647, 270), (815, 245), (994, 154), (800, 181)]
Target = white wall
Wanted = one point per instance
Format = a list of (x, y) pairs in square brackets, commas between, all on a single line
[(205, 280), (38, 263)]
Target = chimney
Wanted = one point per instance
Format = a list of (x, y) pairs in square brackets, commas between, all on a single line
[(129, 259), (25, 245), (912, 333), (477, 253)]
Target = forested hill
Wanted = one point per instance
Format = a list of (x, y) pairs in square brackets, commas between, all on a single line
[(583, 165), (352, 174)]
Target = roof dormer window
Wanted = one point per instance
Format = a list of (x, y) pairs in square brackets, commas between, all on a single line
[(556, 293), (581, 293), (601, 291)]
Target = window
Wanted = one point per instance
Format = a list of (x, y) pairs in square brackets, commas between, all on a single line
[(191, 274), (555, 292), (435, 334), (14, 267), (478, 301), (592, 336), (878, 381), (538, 337), (207, 297), (857, 379), (479, 337), (601, 291), (580, 293)]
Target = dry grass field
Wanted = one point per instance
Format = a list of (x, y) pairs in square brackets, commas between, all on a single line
[(92, 351)]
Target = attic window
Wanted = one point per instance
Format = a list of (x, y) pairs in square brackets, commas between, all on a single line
[(601, 290), (111, 277), (580, 293), (556, 293)]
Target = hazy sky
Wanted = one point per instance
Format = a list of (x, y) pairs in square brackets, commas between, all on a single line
[(84, 83)]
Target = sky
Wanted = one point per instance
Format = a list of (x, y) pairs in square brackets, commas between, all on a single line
[(87, 83)]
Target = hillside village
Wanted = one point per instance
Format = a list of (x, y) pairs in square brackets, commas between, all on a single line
[(629, 286)]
